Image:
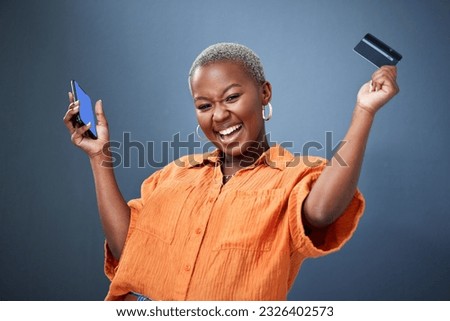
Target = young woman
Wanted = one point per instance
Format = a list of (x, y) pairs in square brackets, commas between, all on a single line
[(237, 223)]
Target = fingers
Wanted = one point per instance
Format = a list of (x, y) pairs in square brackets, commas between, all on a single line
[(384, 79), (371, 86), (71, 98), (74, 108), (79, 134)]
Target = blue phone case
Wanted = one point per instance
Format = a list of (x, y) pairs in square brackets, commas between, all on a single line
[(86, 113)]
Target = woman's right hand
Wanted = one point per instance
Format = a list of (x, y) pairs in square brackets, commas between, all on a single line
[(79, 137)]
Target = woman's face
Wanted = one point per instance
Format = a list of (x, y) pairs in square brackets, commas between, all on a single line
[(228, 105)]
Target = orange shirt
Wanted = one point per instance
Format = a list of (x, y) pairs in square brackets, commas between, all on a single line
[(193, 238)]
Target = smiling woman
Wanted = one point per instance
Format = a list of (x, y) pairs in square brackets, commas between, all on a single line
[(236, 223), (228, 106)]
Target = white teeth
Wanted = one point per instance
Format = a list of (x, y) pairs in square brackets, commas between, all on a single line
[(229, 130)]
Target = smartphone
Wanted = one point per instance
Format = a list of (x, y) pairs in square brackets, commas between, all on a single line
[(86, 113), (377, 52)]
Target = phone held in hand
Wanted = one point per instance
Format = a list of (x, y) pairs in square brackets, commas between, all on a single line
[(86, 113), (377, 52)]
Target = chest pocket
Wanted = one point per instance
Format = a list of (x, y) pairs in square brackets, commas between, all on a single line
[(248, 220), (161, 212)]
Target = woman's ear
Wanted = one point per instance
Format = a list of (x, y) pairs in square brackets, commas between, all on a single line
[(266, 92)]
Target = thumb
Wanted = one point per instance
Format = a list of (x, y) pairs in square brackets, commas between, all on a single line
[(101, 119)]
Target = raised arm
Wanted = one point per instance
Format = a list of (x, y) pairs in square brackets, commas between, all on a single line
[(335, 187), (114, 211)]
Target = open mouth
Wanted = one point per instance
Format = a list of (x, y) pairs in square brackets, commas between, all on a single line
[(230, 131)]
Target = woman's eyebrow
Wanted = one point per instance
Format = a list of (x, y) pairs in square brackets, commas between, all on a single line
[(223, 93), (230, 86)]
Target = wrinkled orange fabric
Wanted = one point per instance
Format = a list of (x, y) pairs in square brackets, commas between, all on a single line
[(193, 238)]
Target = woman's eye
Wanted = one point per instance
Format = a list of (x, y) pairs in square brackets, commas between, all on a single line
[(232, 98), (204, 107)]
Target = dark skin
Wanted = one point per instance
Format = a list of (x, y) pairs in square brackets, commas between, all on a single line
[(225, 95), (227, 98), (229, 105)]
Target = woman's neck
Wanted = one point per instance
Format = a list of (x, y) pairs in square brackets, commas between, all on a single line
[(232, 163)]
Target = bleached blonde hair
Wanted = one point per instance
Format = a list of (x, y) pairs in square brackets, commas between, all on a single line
[(226, 51)]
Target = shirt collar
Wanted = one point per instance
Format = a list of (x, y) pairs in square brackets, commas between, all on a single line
[(275, 157)]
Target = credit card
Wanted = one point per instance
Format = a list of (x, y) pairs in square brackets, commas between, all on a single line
[(377, 52)]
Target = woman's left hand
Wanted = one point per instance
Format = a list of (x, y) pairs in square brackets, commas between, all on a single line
[(379, 90)]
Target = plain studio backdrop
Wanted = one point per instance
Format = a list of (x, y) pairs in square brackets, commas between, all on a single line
[(135, 56)]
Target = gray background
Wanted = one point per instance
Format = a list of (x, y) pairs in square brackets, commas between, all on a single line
[(135, 55)]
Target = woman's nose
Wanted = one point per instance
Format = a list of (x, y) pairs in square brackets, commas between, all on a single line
[(220, 113)]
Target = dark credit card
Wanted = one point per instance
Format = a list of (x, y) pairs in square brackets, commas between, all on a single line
[(377, 52)]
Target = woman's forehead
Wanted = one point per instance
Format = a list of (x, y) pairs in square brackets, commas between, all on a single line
[(221, 72)]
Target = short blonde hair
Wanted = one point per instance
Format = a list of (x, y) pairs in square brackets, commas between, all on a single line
[(226, 51)]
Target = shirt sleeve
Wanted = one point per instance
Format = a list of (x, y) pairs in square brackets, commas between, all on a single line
[(319, 242), (111, 263)]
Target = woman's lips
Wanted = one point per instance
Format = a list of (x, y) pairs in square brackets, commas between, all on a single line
[(229, 130), (229, 133)]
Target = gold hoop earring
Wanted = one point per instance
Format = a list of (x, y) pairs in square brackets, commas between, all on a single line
[(266, 118), (198, 133)]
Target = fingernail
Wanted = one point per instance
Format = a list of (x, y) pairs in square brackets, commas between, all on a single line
[(88, 124)]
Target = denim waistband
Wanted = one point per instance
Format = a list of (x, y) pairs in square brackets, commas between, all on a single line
[(140, 297)]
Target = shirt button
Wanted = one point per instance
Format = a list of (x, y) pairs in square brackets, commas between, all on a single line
[(198, 231), (187, 267)]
